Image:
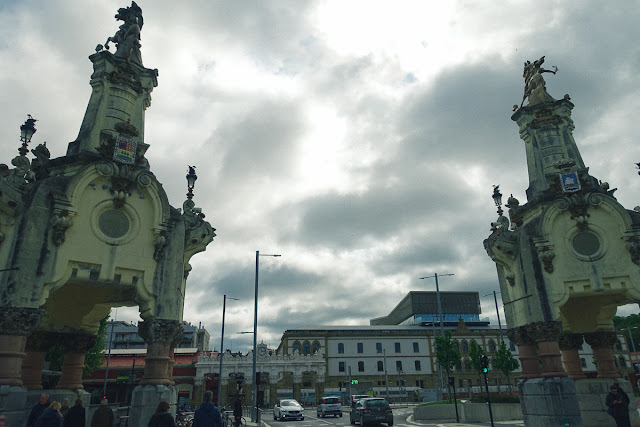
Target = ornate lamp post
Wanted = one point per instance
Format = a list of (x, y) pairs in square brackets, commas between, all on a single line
[(191, 181), (26, 132), (497, 199)]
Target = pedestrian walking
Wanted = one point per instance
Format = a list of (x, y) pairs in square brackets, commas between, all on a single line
[(237, 410), (65, 407), (618, 403), (51, 417), (103, 417), (207, 415), (38, 409), (76, 417), (162, 417)]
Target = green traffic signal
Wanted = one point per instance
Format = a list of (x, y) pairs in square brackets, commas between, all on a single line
[(354, 381)]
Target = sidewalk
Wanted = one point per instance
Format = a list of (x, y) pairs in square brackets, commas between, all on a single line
[(453, 423)]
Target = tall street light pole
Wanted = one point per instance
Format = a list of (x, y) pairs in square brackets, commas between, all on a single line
[(254, 386), (435, 275), (224, 306)]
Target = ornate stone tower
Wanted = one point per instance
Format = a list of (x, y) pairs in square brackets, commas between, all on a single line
[(89, 231), (565, 260)]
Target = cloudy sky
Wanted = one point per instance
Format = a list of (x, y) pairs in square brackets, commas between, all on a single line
[(358, 139)]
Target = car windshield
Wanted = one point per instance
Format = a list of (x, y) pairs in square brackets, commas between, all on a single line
[(332, 400), (376, 403), (288, 403)]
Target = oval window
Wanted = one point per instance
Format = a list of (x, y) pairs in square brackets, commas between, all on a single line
[(586, 243)]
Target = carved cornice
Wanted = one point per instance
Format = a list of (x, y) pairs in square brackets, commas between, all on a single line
[(60, 222), (546, 254), (160, 330), (600, 339), (123, 179), (570, 341), (41, 340), (544, 331), (519, 336), (77, 342), (19, 320), (632, 243)]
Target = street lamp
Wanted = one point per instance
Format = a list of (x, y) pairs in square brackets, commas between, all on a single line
[(26, 132), (497, 199), (254, 388), (191, 181), (441, 326), (495, 299), (224, 306)]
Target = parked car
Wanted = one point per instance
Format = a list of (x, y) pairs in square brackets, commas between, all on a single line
[(329, 405), (288, 408), (371, 410), (356, 397)]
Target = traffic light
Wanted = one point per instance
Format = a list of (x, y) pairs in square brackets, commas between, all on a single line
[(484, 363), (257, 377), (354, 381), (451, 381)]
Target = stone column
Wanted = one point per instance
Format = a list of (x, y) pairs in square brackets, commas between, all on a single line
[(224, 390), (16, 323), (273, 391), (319, 386), (547, 335), (569, 345), (527, 352), (75, 347), (198, 390), (297, 387), (37, 345), (159, 334), (602, 344), (172, 358)]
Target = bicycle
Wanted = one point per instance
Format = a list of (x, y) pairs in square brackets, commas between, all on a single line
[(228, 420)]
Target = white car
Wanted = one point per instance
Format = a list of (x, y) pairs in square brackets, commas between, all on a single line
[(288, 408)]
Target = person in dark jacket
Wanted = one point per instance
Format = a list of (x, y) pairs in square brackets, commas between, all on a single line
[(38, 409), (103, 417), (162, 417), (76, 416), (51, 417), (237, 410), (618, 404), (207, 415)]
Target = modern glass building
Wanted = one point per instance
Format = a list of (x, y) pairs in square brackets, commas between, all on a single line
[(421, 308)]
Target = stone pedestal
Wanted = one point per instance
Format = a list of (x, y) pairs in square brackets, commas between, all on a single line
[(145, 399), (549, 402), (592, 394)]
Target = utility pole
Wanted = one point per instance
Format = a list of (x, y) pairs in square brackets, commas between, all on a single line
[(435, 275), (386, 376), (495, 298)]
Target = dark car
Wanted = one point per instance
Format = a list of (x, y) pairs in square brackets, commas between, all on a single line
[(356, 397), (371, 410)]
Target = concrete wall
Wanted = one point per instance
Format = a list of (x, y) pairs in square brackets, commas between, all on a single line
[(469, 412)]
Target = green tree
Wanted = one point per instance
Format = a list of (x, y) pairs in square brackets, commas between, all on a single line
[(475, 354), (505, 362), (447, 354), (95, 356)]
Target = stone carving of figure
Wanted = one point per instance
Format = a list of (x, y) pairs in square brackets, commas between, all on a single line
[(127, 38), (534, 85)]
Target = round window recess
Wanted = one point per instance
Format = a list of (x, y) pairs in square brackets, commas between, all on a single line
[(586, 243), (113, 223)]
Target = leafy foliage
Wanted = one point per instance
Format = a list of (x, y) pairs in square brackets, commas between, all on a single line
[(447, 353), (504, 360), (629, 322), (55, 357), (95, 357), (475, 355)]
